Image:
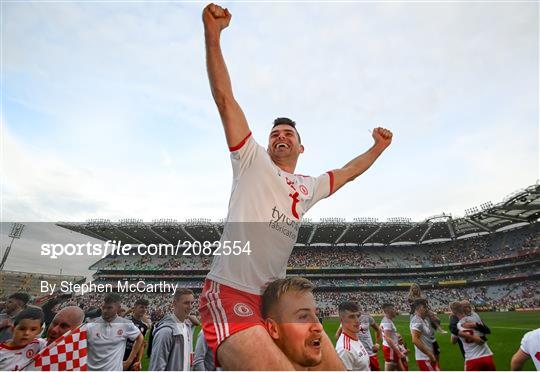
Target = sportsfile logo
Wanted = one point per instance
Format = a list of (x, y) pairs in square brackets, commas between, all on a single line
[(280, 222)]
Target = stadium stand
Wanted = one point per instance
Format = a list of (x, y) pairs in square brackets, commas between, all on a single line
[(490, 256)]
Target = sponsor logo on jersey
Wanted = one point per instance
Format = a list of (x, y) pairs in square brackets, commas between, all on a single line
[(29, 353), (120, 332), (243, 310)]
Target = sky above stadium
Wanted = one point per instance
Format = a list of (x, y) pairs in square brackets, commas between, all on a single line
[(107, 111)]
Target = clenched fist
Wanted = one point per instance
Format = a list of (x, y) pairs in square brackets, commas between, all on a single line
[(382, 137), (215, 18)]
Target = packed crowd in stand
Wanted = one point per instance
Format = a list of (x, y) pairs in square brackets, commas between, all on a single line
[(492, 246)]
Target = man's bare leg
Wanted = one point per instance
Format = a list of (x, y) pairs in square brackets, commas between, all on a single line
[(252, 349), (330, 358)]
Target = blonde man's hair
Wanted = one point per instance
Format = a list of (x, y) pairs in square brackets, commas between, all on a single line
[(275, 290)]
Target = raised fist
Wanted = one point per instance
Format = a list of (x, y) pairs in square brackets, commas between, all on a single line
[(216, 18), (382, 137)]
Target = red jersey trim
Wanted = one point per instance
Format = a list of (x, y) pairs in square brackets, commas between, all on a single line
[(331, 174), (240, 145)]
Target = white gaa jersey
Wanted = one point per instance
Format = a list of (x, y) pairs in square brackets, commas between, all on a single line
[(107, 343), (530, 344), (388, 325), (15, 358), (364, 335), (427, 335), (472, 349), (352, 353), (265, 209)]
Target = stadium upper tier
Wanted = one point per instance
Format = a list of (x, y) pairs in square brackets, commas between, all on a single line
[(501, 248), (522, 207)]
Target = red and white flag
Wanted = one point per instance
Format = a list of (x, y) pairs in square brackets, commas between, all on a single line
[(67, 353)]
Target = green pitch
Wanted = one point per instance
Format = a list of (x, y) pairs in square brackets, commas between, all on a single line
[(507, 329)]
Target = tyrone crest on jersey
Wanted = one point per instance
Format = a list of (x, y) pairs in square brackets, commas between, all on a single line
[(242, 310)]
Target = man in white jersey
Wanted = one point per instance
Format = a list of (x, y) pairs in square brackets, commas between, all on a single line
[(349, 348), (267, 203), (423, 337), (478, 356), (391, 352), (107, 336), (530, 348), (364, 335)]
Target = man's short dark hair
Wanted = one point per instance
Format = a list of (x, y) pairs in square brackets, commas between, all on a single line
[(142, 302), (31, 312), (182, 291), (387, 305), (419, 302), (23, 297), (287, 121), (348, 306), (112, 298)]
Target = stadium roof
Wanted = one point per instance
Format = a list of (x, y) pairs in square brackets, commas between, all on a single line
[(522, 207)]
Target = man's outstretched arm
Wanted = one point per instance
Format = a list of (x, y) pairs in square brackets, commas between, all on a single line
[(357, 166), (215, 19)]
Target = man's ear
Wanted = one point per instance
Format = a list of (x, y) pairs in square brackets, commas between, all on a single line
[(301, 149), (272, 328)]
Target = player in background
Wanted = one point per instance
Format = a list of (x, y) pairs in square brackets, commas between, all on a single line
[(405, 351), (267, 194), (423, 337), (349, 348), (18, 351), (391, 352), (364, 335), (290, 313), (530, 348), (480, 326), (478, 356), (107, 336), (138, 315)]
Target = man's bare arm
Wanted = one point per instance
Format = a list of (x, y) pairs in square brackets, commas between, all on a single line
[(357, 166), (215, 19)]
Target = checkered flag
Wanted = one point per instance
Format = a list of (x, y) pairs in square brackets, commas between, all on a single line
[(67, 353)]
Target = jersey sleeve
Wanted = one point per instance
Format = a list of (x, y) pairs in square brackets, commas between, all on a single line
[(131, 331), (322, 188), (526, 343), (347, 358), (244, 154)]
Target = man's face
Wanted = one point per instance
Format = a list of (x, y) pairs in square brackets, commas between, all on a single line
[(25, 331), (61, 323), (467, 308), (140, 311), (298, 332), (390, 312), (350, 321), (109, 311), (183, 306), (422, 311), (283, 143), (12, 305)]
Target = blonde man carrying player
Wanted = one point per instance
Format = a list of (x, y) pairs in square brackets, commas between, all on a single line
[(266, 206)]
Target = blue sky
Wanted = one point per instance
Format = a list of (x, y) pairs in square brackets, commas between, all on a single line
[(107, 111)]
